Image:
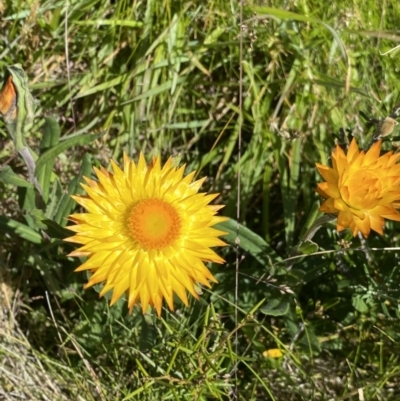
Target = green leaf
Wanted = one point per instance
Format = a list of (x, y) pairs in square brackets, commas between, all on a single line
[(37, 216), (113, 22), (14, 227), (9, 177), (51, 133), (55, 19), (26, 199), (148, 336), (54, 200), (307, 247), (66, 203), (51, 137), (359, 304), (276, 307), (248, 241), (385, 310), (53, 152), (54, 230)]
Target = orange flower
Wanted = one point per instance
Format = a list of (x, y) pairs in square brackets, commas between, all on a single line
[(362, 188)]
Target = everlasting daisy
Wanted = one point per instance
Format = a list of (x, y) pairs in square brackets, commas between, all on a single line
[(147, 232), (362, 188)]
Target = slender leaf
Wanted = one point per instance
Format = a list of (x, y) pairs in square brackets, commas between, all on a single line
[(9, 177), (50, 138), (66, 203), (248, 241), (80, 140), (276, 307), (14, 227)]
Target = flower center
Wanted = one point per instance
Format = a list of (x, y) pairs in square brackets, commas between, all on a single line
[(362, 189), (154, 224)]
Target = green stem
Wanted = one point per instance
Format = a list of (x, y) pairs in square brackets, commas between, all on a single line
[(326, 218)]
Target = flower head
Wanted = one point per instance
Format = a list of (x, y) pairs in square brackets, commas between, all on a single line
[(362, 188), (147, 232)]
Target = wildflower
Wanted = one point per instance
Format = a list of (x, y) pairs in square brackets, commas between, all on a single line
[(273, 353), (362, 188), (146, 233)]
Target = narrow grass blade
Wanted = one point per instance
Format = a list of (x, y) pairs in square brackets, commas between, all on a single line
[(64, 145)]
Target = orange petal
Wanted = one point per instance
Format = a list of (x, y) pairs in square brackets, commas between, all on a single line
[(328, 206), (344, 220), (329, 189), (353, 151), (377, 223), (363, 225), (373, 153), (329, 174)]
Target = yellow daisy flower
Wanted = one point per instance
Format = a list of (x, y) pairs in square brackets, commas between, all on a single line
[(147, 232), (362, 188)]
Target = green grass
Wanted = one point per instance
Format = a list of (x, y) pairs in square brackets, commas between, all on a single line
[(162, 77)]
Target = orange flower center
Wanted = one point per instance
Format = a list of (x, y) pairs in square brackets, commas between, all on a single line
[(154, 224), (363, 190)]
